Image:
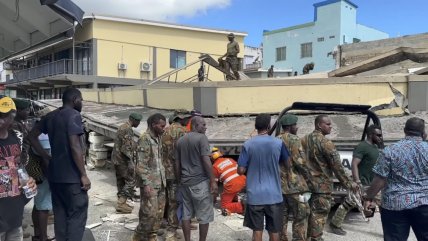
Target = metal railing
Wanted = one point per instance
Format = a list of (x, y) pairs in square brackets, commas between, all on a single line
[(64, 66), (253, 66)]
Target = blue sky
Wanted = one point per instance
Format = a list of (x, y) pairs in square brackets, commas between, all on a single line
[(395, 17)]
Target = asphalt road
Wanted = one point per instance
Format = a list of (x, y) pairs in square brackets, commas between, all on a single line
[(103, 198)]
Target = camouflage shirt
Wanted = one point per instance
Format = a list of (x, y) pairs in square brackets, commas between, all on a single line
[(323, 160), (150, 170), (22, 128), (169, 140), (292, 179), (124, 146)]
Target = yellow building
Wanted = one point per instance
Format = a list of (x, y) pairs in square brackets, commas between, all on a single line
[(111, 51)]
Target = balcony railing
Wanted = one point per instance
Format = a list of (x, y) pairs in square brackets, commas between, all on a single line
[(64, 66), (253, 66)]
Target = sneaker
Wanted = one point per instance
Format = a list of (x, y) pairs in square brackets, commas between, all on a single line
[(337, 230)]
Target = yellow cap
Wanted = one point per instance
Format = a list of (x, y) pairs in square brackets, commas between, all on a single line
[(215, 153), (6, 105)]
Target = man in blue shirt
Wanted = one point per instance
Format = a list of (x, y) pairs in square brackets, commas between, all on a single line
[(402, 172), (66, 169), (260, 159)]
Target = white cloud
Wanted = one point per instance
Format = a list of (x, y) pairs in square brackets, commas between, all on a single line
[(161, 10)]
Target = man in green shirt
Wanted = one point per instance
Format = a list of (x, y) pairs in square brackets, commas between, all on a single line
[(232, 61), (364, 158)]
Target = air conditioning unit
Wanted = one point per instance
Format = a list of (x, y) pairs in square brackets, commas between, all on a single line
[(122, 66), (145, 67)]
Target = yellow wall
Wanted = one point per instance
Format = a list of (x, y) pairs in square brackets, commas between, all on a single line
[(138, 41), (260, 99), (170, 98), (242, 97)]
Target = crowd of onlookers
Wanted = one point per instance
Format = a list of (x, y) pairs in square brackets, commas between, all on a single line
[(177, 172)]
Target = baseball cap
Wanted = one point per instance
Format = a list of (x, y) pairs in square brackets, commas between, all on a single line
[(6, 105)]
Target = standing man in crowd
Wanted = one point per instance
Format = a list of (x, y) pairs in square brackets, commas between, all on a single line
[(195, 174), (363, 159), (66, 170), (260, 159), (226, 171), (323, 160), (12, 200), (293, 181), (123, 158), (19, 124), (169, 143), (151, 179), (232, 61), (402, 173)]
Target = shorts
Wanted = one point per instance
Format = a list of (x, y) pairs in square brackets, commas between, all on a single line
[(256, 214), (43, 199), (198, 201)]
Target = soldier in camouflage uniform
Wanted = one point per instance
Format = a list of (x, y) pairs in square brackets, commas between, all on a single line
[(323, 160), (151, 179), (364, 158), (169, 139), (22, 113), (123, 160), (293, 181)]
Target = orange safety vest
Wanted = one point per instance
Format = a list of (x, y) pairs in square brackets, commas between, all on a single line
[(225, 169)]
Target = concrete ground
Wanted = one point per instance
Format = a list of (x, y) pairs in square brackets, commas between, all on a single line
[(117, 227)]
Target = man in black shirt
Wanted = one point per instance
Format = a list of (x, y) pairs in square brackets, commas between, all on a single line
[(66, 169)]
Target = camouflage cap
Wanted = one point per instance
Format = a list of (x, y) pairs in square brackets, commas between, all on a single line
[(231, 35), (136, 116), (288, 120), (21, 104)]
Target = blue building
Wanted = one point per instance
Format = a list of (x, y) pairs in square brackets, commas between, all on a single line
[(335, 23)]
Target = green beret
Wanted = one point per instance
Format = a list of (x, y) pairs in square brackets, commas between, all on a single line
[(136, 116), (288, 120), (21, 104)]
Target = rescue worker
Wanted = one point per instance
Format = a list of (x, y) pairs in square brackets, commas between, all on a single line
[(151, 179), (193, 113), (169, 140), (232, 62), (294, 188), (364, 158), (226, 171), (123, 158), (323, 160), (19, 124)]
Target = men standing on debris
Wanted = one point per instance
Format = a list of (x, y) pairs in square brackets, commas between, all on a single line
[(323, 160), (294, 187), (194, 172), (226, 171), (363, 159), (66, 170), (123, 157), (12, 198), (260, 159), (401, 172), (169, 143), (232, 62), (151, 179)]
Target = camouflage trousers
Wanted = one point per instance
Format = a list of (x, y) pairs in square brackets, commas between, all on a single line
[(320, 207), (150, 214), (125, 180), (171, 205), (300, 211), (346, 206), (232, 63)]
